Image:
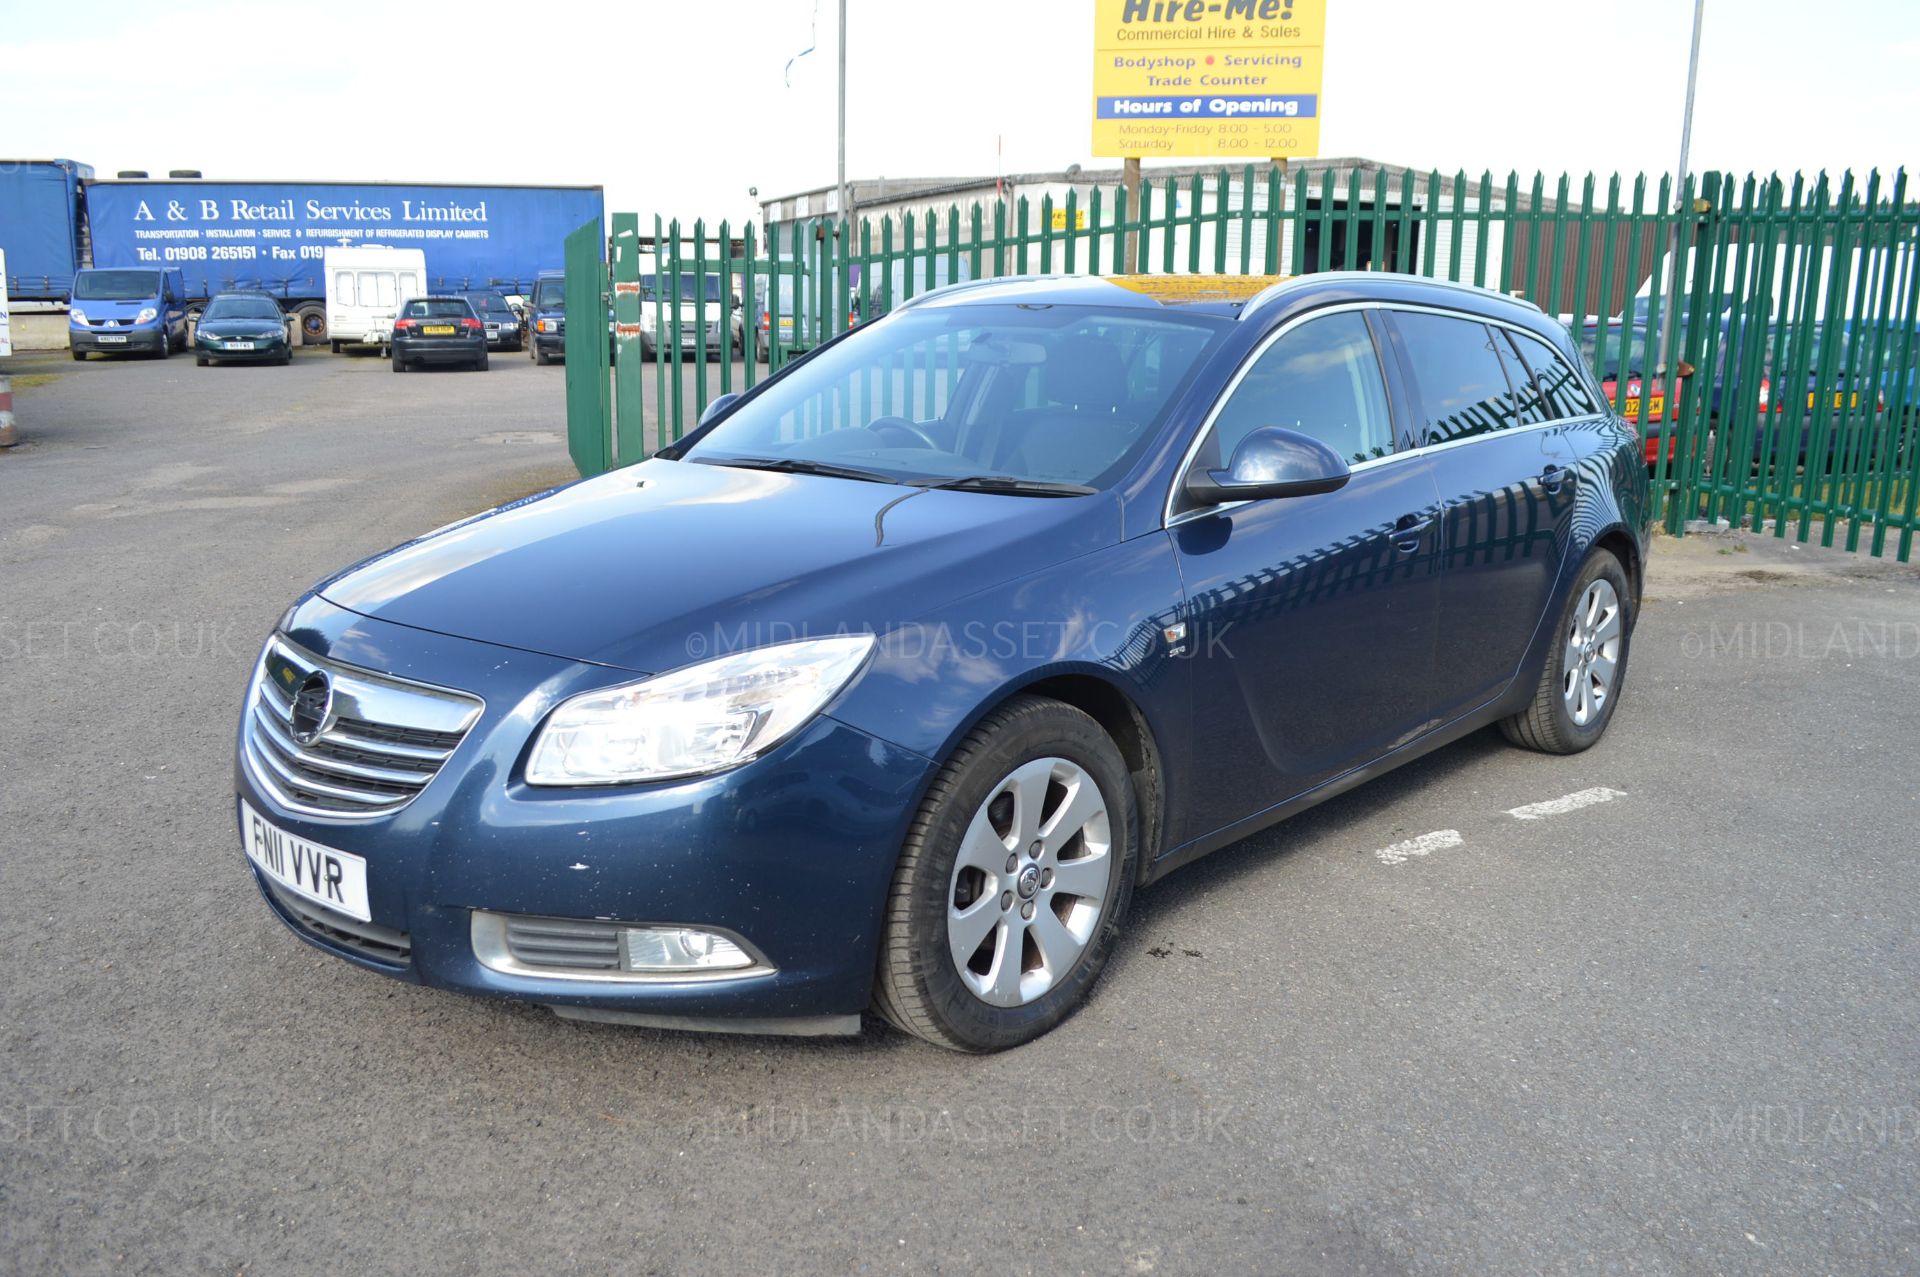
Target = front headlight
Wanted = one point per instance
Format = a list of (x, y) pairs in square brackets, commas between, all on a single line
[(694, 720), (76, 316), (146, 316)]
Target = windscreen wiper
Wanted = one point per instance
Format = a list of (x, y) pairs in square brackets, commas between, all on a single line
[(1012, 485), (1001, 483), (798, 465)]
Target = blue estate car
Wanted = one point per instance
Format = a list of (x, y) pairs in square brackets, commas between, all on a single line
[(885, 687)]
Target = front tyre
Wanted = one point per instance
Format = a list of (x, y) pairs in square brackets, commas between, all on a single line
[(1586, 666), (1013, 882)]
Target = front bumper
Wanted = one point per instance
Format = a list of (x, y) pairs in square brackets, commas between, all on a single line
[(113, 341), (793, 852), (263, 349)]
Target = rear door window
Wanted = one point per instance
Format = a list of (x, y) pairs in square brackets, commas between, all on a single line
[(1531, 410), (1459, 383)]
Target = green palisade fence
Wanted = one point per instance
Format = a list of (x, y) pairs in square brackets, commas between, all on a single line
[(1796, 306)]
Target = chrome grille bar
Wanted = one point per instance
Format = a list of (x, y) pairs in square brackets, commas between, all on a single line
[(384, 738)]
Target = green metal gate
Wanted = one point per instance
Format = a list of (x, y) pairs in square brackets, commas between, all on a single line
[(1781, 284)]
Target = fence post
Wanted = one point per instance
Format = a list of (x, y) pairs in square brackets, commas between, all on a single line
[(629, 416), (589, 394)]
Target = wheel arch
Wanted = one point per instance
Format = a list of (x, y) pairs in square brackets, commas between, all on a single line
[(1622, 544), (1119, 714)]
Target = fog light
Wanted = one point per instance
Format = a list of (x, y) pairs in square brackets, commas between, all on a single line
[(679, 949)]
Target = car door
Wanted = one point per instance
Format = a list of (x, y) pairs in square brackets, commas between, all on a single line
[(1311, 620), (1506, 480)]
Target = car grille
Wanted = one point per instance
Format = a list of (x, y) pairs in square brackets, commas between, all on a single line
[(381, 944), (381, 739), (563, 942)]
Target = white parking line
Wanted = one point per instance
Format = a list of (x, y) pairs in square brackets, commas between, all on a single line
[(1572, 802), (1425, 844)]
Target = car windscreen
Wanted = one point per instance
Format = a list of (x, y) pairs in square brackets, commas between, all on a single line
[(240, 308), (550, 294), (661, 288), (439, 308), (1050, 394), (116, 285), (489, 303)]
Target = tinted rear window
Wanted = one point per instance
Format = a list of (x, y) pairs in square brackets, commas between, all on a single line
[(1562, 391), (1461, 387), (439, 308)]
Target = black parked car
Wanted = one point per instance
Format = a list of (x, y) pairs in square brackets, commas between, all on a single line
[(501, 321), (439, 330), (241, 327)]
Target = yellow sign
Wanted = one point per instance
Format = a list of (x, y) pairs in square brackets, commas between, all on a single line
[(1060, 219), (1174, 289), (1219, 79)]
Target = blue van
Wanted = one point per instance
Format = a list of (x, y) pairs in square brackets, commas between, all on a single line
[(127, 309)]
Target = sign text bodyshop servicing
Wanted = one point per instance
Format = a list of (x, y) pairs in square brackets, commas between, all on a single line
[(1208, 78)]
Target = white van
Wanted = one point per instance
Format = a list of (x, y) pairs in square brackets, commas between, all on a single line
[(365, 285)]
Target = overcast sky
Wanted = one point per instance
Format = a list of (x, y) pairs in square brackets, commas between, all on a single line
[(679, 108)]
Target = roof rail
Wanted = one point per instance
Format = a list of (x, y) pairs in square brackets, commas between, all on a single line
[(1374, 276), (965, 285)]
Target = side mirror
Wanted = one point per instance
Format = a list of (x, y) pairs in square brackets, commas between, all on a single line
[(719, 406), (1684, 368), (1271, 462)]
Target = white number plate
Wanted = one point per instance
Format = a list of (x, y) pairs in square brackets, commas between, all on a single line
[(115, 339), (237, 345), (330, 878)]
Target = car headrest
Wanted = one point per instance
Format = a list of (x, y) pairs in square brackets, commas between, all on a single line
[(1086, 374)]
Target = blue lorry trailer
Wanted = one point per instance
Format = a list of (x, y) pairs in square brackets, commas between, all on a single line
[(271, 236)]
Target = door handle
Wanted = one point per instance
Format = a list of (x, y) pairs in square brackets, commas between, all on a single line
[(1553, 477), (1408, 531)]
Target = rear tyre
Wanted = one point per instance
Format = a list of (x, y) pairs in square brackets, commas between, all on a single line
[(311, 321), (1013, 882), (480, 364), (1585, 667), (399, 364)]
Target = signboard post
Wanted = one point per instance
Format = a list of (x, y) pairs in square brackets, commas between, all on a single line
[(1215, 79), (6, 321)]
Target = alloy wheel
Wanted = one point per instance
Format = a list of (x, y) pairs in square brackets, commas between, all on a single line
[(1030, 882), (1591, 661)]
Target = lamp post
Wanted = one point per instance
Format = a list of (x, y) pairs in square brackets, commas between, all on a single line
[(1680, 180), (845, 212)]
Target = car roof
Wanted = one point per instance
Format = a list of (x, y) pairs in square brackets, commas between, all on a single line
[(1233, 296)]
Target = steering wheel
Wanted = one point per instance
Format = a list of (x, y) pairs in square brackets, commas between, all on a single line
[(880, 425)]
